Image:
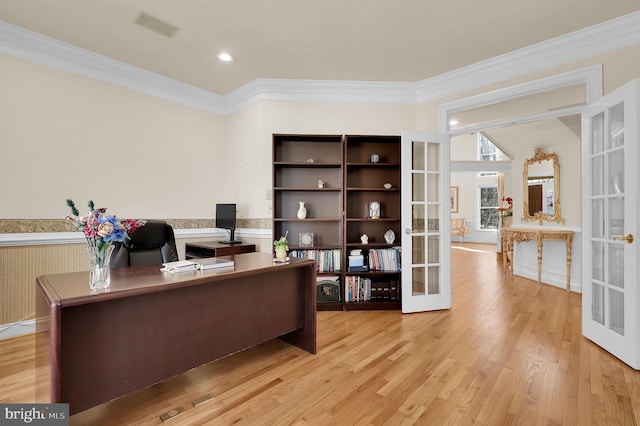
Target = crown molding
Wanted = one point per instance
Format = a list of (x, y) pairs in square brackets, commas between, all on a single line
[(34, 47), (606, 37), (612, 35), (320, 91)]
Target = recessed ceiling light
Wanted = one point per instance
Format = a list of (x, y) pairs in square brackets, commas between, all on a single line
[(453, 122), (225, 57)]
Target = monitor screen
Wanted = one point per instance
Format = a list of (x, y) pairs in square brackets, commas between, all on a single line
[(226, 216)]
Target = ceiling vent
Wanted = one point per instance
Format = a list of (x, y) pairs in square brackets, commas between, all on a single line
[(156, 25)]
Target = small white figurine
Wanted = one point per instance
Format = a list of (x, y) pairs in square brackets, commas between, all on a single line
[(364, 238)]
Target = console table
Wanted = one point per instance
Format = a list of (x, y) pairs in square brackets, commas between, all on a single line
[(151, 325), (215, 249), (510, 236)]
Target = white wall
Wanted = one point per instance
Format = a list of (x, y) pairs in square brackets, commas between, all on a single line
[(66, 136)]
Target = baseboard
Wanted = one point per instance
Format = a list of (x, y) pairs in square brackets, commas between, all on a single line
[(17, 328)]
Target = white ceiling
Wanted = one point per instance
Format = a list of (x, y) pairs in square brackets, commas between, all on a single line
[(362, 40)]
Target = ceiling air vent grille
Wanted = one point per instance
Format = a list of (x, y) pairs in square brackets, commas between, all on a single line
[(156, 25)]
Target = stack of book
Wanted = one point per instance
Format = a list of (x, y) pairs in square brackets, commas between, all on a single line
[(356, 261)]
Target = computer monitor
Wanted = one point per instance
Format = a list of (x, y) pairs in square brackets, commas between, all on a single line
[(226, 219)]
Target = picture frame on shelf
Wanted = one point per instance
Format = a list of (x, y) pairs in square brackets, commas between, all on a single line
[(306, 239), (454, 199)]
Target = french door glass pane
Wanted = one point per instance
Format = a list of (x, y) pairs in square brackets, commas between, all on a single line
[(434, 157), (616, 265), (597, 259), (434, 279), (434, 249), (418, 281), (418, 187), (616, 126), (616, 216), (417, 155), (597, 134), (597, 175), (597, 303), (417, 218), (616, 172), (434, 217), (616, 311), (597, 218), (418, 249)]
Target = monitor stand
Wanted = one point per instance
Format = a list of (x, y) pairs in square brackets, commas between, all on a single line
[(232, 238)]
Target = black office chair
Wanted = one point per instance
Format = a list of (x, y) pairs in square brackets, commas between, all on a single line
[(153, 243)]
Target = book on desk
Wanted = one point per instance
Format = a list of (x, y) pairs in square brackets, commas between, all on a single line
[(197, 264)]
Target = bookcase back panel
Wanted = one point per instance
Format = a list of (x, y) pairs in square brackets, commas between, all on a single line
[(319, 149), (325, 234), (375, 232), (319, 204), (358, 204), (359, 149), (372, 177), (308, 177)]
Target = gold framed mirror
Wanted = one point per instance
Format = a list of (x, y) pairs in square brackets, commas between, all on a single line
[(541, 188)]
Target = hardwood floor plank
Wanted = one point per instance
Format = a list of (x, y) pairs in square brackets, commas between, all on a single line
[(507, 352)]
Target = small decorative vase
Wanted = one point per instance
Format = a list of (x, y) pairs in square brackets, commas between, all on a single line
[(302, 210), (100, 272)]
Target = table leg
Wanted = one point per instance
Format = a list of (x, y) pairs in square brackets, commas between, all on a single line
[(569, 243), (539, 241)]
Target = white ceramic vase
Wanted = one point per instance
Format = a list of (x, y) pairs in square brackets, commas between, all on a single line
[(302, 210)]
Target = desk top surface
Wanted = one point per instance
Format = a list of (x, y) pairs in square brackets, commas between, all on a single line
[(72, 288)]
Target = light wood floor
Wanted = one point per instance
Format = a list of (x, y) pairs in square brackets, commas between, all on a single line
[(508, 352)]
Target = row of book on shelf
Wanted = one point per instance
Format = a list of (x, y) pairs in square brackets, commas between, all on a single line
[(328, 260), (383, 259), (363, 289)]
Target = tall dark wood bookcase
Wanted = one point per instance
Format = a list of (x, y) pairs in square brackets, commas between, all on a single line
[(338, 209)]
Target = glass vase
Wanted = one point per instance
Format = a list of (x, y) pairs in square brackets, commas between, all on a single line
[(100, 272)]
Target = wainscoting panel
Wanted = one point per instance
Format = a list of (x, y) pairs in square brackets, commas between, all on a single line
[(19, 267)]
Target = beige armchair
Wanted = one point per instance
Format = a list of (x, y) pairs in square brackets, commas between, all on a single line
[(459, 228)]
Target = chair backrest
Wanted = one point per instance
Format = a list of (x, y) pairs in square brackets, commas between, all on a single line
[(457, 223), (153, 243)]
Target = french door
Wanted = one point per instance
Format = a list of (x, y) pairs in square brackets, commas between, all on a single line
[(610, 294), (426, 213)]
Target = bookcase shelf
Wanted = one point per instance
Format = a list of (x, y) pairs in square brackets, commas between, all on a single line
[(337, 211)]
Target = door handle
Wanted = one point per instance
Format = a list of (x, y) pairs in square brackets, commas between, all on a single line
[(628, 238)]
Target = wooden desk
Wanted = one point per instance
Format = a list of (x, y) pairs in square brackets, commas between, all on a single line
[(512, 235), (152, 325), (215, 249)]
